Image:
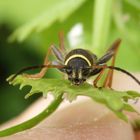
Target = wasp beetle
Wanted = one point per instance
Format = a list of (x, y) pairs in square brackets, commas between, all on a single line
[(80, 64)]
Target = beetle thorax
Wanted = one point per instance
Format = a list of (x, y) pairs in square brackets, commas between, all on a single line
[(78, 62)]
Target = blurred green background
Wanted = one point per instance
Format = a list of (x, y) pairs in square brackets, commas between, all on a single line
[(28, 28)]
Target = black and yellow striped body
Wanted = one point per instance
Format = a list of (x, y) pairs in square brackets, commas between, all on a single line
[(79, 63)]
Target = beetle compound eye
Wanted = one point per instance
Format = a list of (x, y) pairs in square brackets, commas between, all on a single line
[(85, 72), (69, 71)]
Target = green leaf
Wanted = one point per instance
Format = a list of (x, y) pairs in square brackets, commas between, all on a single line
[(126, 18), (134, 3), (128, 107), (56, 11), (114, 100), (133, 94), (35, 120)]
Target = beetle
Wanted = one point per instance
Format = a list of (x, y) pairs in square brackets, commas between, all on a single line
[(80, 64)]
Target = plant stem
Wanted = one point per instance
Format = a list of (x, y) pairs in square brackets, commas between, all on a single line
[(35, 120), (101, 23)]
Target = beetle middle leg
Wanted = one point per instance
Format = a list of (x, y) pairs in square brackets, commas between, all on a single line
[(109, 77), (110, 54)]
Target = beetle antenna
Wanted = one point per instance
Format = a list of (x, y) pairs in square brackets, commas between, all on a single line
[(34, 67), (124, 71)]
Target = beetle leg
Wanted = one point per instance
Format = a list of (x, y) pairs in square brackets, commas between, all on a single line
[(56, 52), (61, 41), (98, 78), (109, 77), (43, 70), (110, 52)]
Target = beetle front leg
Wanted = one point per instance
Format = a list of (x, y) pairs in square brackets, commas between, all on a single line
[(98, 78), (51, 50), (43, 70)]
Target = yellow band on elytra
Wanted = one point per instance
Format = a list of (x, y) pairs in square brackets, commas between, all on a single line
[(77, 55)]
